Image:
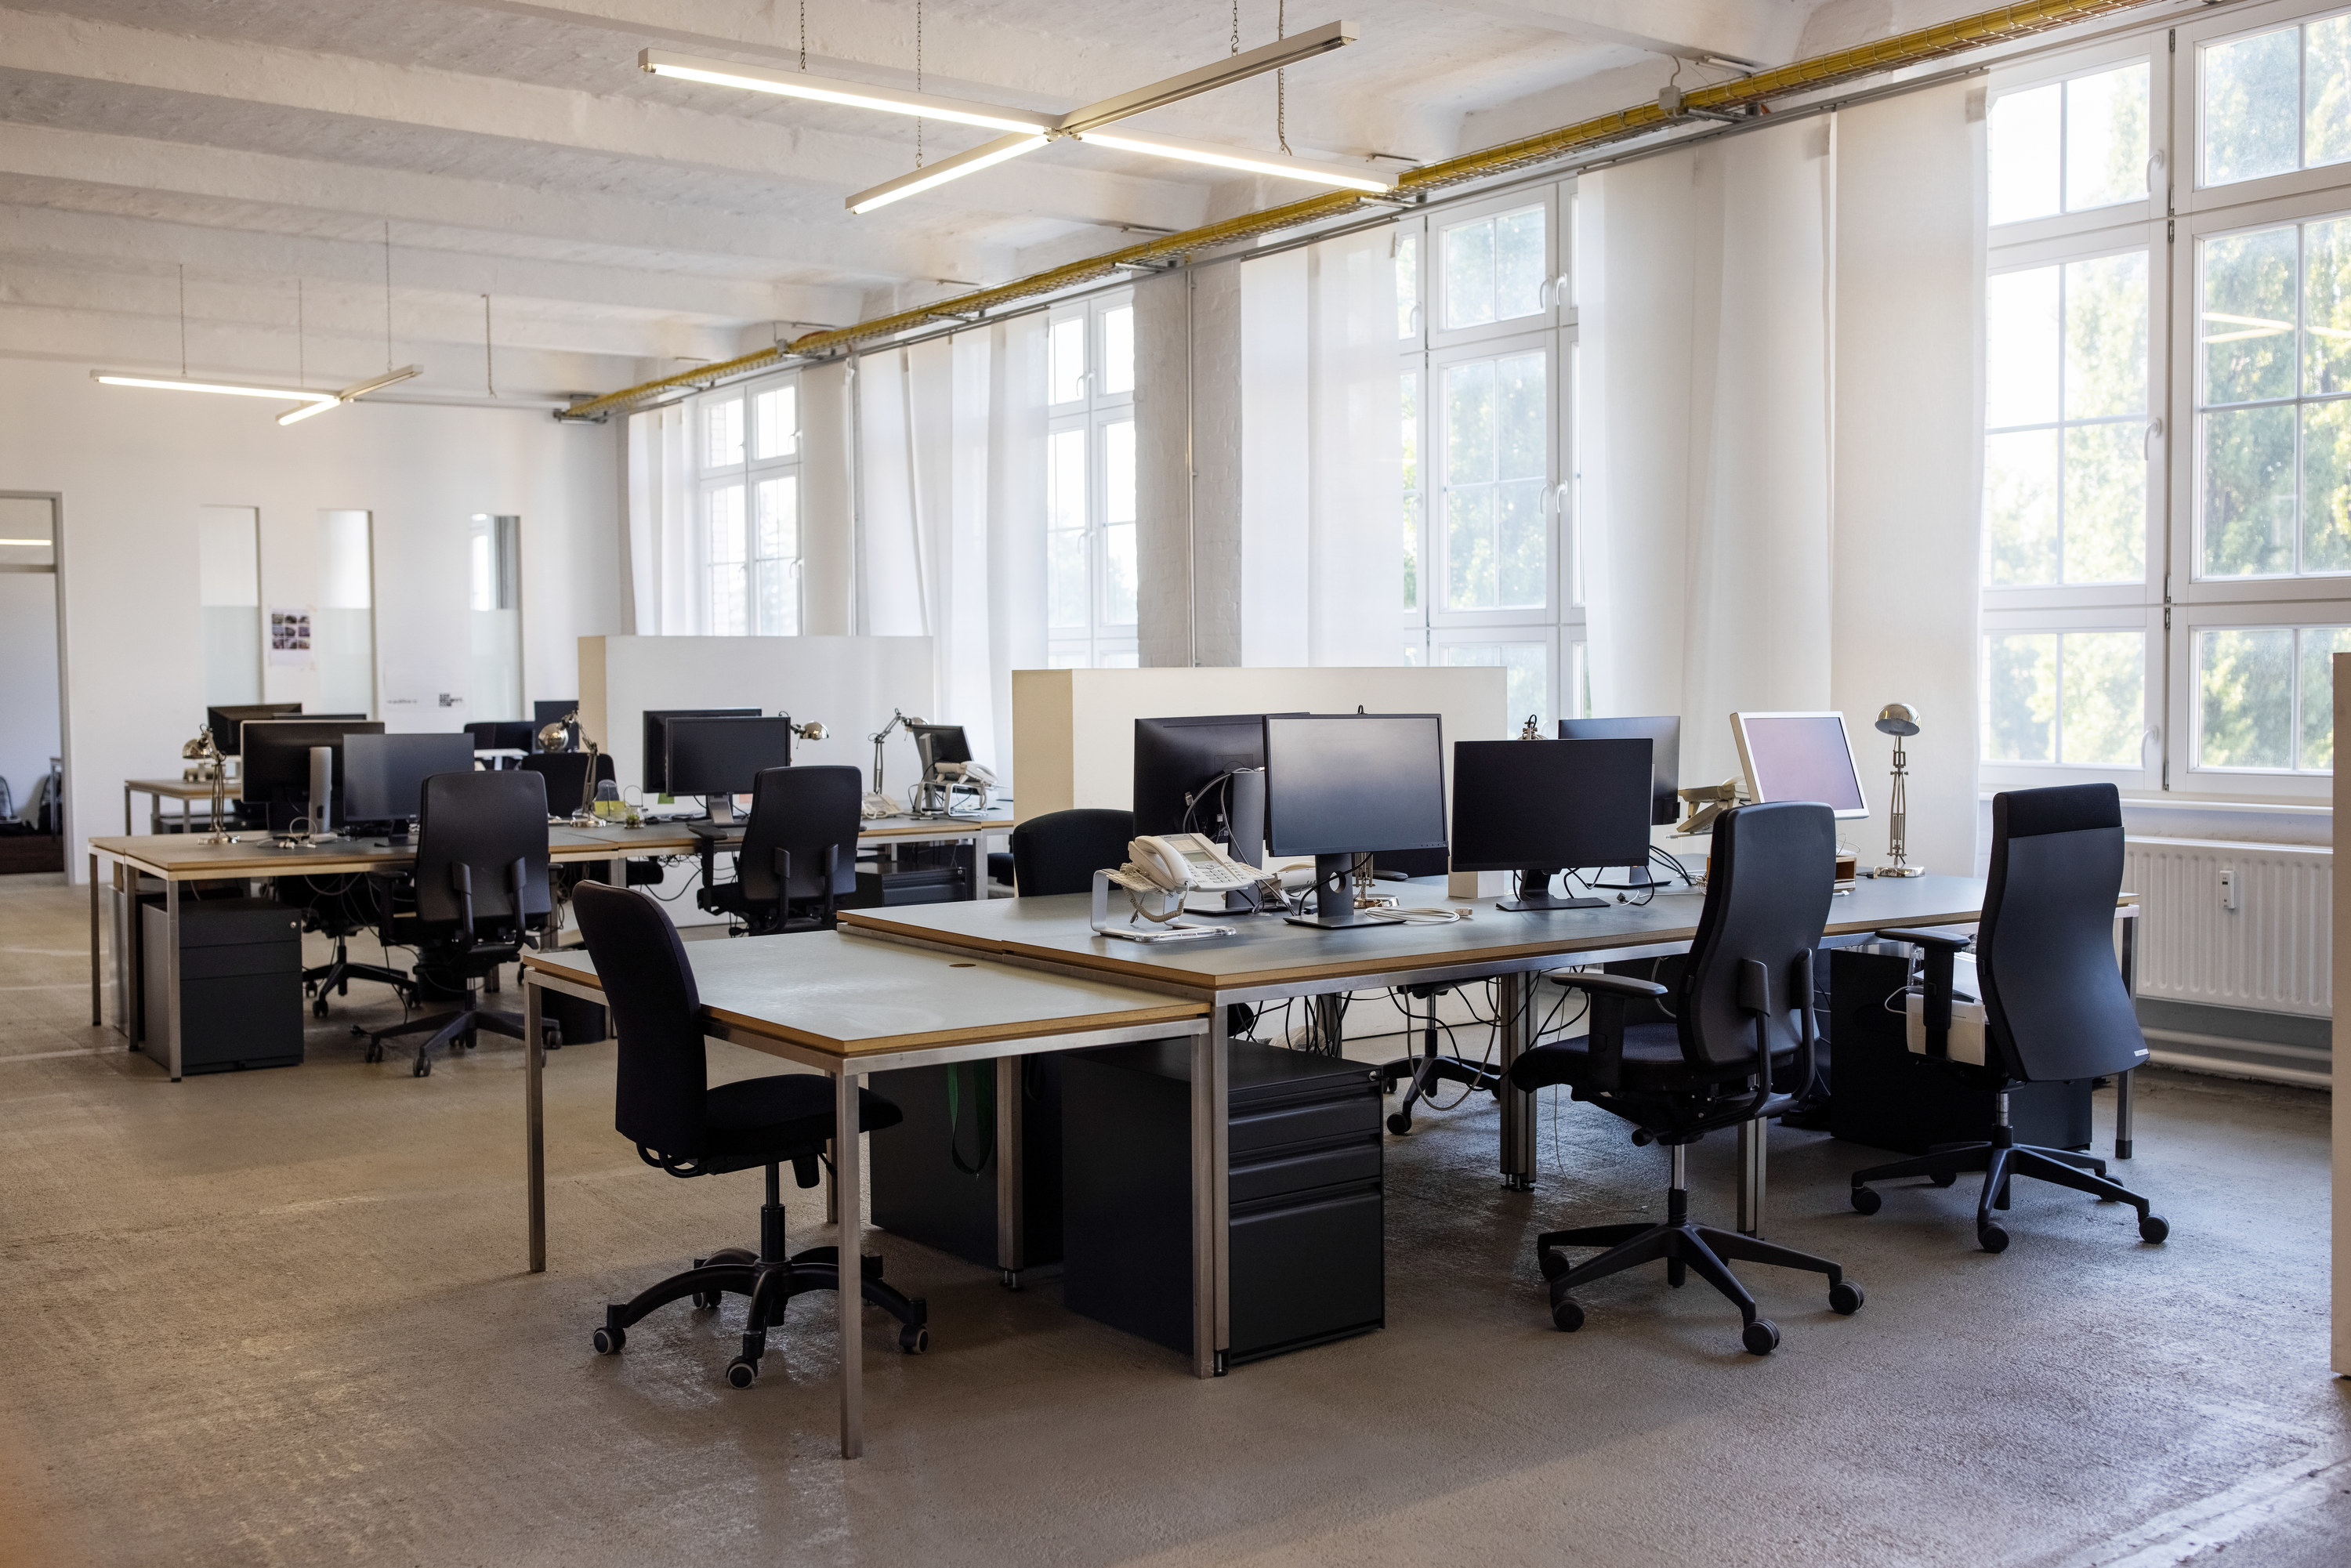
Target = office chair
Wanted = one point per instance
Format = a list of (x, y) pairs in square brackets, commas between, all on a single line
[(1061, 850), (2055, 1004), (1431, 1067), (800, 848), (569, 786), (1742, 1022), (663, 1106), (327, 907), (481, 893)]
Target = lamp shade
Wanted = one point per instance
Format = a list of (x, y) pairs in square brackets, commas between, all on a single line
[(1897, 718)]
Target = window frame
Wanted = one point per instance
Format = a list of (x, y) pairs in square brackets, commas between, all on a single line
[(2093, 60), (1556, 289), (2223, 616), (1102, 644), (2146, 619), (748, 475), (2191, 40)]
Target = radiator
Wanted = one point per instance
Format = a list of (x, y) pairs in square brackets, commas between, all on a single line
[(2271, 952)]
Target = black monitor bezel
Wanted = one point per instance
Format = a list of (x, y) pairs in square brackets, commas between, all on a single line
[(1538, 810), (1665, 766), (694, 723), (652, 766), (1276, 844)]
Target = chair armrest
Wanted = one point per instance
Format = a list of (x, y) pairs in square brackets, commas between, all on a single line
[(1598, 983), (1931, 940)]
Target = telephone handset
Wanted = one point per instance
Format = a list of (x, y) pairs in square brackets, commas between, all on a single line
[(1182, 862)]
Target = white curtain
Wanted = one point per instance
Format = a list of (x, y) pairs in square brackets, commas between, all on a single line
[(1321, 455), (664, 543), (1778, 430)]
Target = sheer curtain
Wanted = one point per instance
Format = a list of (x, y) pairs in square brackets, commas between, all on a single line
[(664, 575)]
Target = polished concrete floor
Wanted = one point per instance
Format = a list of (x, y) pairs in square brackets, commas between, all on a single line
[(281, 1318)]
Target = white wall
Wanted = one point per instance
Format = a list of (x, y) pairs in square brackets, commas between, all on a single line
[(134, 466)]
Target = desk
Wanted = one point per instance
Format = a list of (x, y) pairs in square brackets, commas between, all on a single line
[(159, 791), (847, 1007), (1268, 960), (710, 839)]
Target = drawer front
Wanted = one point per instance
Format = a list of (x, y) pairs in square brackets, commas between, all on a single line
[(278, 957), (1355, 1116), (1304, 1173), (1307, 1273)]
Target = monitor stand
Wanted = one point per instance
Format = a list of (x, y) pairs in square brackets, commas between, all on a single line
[(1334, 896), (722, 811), (1534, 892)]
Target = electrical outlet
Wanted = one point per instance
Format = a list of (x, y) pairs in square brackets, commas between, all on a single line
[(2229, 888)]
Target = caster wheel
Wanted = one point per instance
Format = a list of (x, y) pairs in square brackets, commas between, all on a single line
[(707, 1301), (1993, 1237), (1760, 1337), (1845, 1297), (742, 1374), (2154, 1228), (319, 1009), (1554, 1266), (609, 1341), (1865, 1200), (1009, 1278), (423, 1068), (1399, 1124), (1944, 1179), (1676, 1272), (913, 1339), (1566, 1316)]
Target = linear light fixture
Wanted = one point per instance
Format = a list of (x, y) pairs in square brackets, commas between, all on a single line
[(980, 157), (1366, 180), (182, 384), (351, 393), (848, 94)]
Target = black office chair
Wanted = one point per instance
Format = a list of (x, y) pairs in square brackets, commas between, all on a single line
[(1061, 850), (1741, 1022), (800, 851), (339, 908), (570, 786), (2055, 1004), (662, 1104), (481, 893)]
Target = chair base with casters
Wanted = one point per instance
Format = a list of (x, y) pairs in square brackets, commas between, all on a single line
[(2001, 1160), (770, 1278), (457, 1031), (337, 975), (1685, 1247), (1431, 1067)]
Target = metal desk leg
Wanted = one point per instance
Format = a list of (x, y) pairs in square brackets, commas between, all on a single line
[(974, 868), (2123, 1079), (1754, 1137), (1211, 1197), (126, 810), (1518, 1150), (130, 1004), (97, 968), (1011, 1195), (831, 1188), (846, 1182), (170, 968), (534, 1122)]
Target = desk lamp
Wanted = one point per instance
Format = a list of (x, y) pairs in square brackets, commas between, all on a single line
[(203, 749), (1899, 720), (877, 802)]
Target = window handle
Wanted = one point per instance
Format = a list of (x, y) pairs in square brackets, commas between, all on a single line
[(1416, 320), (1546, 292), (2150, 445), (2154, 169)]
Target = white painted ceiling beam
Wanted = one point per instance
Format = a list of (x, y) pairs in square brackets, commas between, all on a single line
[(1687, 28)]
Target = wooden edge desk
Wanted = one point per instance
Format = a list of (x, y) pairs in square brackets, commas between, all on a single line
[(848, 1006), (1269, 960), (159, 791), (711, 839)]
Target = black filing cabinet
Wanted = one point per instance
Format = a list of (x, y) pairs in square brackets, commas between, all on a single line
[(933, 1175), (1305, 1242), (1890, 1098), (240, 983)]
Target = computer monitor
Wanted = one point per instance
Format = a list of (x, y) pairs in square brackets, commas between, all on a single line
[(276, 770), (1184, 781), (1536, 807), (502, 734), (384, 775), (1799, 756), (543, 713), (1339, 785), (655, 763), (937, 743), (224, 722), (718, 757), (1664, 734)]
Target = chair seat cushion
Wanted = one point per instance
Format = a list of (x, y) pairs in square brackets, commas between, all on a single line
[(1653, 1062), (783, 1116)]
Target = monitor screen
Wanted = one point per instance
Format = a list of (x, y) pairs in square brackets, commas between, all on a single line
[(1664, 734), (1799, 756), (655, 762), (1177, 762), (384, 775), (277, 754), (224, 722), (720, 756), (1551, 805), (1345, 783), (544, 713)]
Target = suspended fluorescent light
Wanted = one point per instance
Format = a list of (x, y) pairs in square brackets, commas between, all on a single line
[(980, 157), (350, 393), (849, 94), (1250, 63), (182, 383), (1247, 163)]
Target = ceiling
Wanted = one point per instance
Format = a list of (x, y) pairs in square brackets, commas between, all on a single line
[(625, 226)]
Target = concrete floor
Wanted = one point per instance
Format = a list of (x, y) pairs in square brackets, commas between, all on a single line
[(281, 1318)]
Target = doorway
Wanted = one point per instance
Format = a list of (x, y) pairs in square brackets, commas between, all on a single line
[(32, 728)]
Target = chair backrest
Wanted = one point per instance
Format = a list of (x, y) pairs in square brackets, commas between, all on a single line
[(1061, 850), (566, 773), (484, 822), (662, 1085), (2053, 995), (1770, 874), (811, 814)]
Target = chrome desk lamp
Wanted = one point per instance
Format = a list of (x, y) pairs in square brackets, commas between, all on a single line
[(877, 802), (1899, 720), (203, 748)]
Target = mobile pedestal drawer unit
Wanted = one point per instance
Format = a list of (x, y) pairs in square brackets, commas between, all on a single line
[(1306, 1207), (240, 983)]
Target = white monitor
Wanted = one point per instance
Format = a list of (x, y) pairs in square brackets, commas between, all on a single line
[(1799, 756)]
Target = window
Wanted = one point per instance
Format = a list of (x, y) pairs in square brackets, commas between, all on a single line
[(748, 546), (228, 590), (2275, 102), (2069, 146), (496, 542), (2077, 698), (1091, 584), (2265, 697)]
